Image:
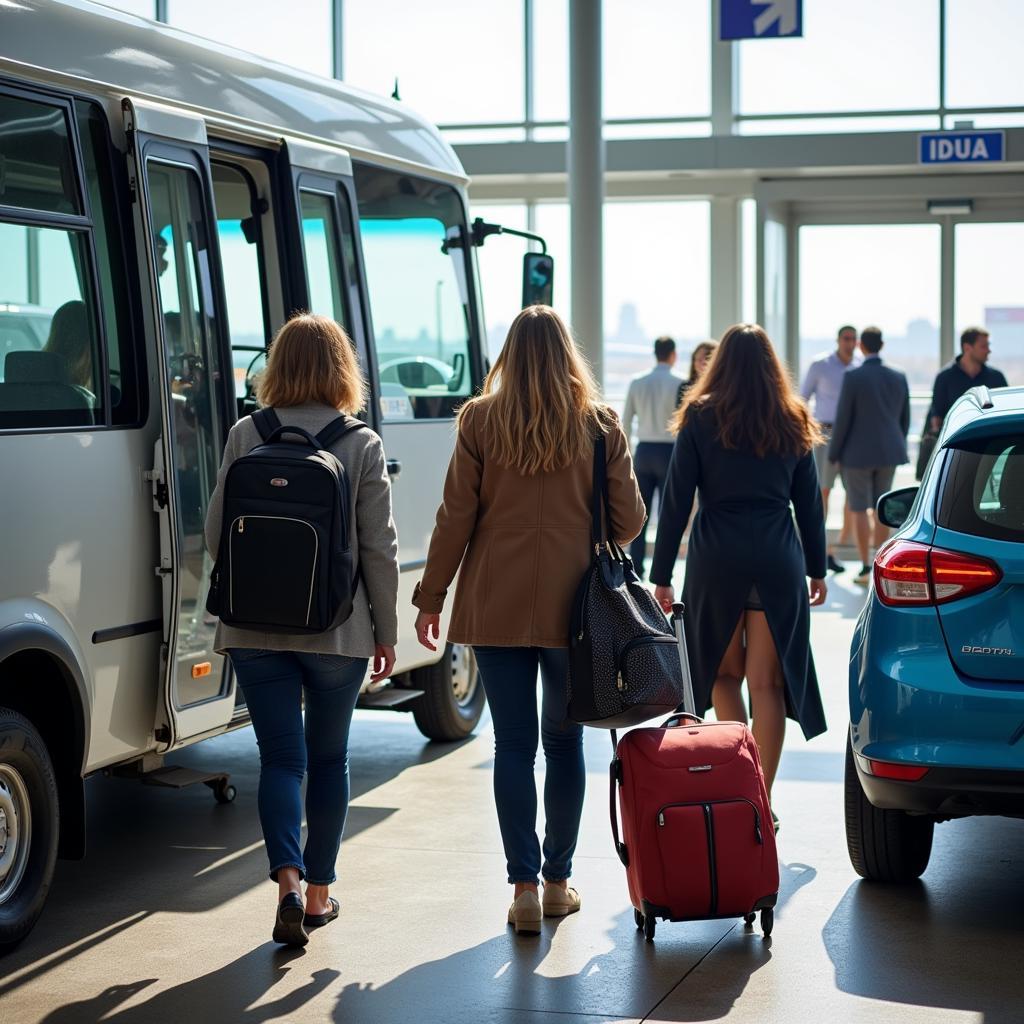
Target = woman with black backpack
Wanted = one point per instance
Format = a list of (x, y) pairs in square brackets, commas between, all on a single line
[(291, 650)]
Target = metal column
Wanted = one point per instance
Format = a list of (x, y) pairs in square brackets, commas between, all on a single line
[(947, 290), (726, 276), (724, 77), (586, 180)]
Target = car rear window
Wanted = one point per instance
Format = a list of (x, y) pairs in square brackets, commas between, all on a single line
[(984, 489)]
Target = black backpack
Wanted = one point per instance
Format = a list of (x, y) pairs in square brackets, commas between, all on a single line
[(284, 564)]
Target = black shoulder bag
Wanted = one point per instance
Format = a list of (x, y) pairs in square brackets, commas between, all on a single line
[(624, 665)]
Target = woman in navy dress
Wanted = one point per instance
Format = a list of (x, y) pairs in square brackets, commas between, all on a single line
[(744, 441)]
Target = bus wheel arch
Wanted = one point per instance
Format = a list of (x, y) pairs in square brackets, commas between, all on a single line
[(46, 687)]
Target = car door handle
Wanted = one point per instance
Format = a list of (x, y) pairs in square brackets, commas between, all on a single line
[(394, 468)]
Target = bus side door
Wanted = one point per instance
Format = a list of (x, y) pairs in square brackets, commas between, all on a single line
[(176, 223)]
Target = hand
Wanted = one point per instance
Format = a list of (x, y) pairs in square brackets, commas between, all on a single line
[(383, 662), (666, 597), (818, 590), (428, 625)]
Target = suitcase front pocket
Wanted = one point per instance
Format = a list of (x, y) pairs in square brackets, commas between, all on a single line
[(686, 864), (711, 857), (272, 570)]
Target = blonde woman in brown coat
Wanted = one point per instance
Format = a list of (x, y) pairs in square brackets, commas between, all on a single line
[(516, 518)]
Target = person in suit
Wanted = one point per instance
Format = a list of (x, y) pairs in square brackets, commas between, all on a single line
[(745, 441), (651, 400), (869, 438), (516, 516)]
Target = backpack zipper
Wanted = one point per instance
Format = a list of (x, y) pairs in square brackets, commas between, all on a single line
[(637, 641), (240, 520)]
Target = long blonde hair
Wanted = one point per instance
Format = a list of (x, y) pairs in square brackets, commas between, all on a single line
[(541, 399), (312, 359)]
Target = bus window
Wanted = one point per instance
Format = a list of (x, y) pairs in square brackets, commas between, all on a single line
[(418, 297), (122, 360), (320, 247), (241, 254), (50, 360)]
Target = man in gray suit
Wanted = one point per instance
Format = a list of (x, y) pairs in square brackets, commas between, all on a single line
[(869, 438)]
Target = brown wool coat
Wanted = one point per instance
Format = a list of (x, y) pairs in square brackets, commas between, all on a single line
[(523, 542)]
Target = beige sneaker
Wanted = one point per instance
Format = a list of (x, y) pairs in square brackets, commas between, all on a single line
[(559, 902), (525, 914)]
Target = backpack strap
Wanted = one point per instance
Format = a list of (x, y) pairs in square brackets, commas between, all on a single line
[(266, 421), (337, 429)]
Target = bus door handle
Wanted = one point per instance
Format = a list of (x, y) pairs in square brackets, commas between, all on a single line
[(394, 468)]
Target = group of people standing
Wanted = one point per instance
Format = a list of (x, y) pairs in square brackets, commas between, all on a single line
[(863, 411)]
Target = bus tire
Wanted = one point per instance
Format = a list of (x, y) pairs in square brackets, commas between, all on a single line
[(29, 826), (453, 696)]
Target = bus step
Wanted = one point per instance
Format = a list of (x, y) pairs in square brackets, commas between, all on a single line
[(389, 699), (178, 777)]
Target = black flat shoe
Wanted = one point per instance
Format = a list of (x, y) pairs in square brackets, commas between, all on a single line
[(319, 920), (288, 930), (834, 565)]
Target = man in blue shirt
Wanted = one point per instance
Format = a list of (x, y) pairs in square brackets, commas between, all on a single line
[(824, 381), (968, 370)]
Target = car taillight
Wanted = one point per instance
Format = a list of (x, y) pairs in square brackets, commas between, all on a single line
[(902, 772), (909, 573)]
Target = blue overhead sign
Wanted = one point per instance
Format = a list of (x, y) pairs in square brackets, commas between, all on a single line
[(761, 19), (961, 147)]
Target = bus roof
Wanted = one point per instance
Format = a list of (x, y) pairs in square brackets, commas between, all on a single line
[(146, 59)]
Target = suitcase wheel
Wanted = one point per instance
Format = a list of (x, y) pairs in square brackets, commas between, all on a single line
[(649, 925), (638, 918), (749, 919), (767, 921)]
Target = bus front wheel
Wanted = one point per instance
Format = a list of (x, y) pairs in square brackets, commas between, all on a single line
[(453, 696), (29, 826)]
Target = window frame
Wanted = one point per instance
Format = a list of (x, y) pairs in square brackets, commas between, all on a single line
[(83, 223)]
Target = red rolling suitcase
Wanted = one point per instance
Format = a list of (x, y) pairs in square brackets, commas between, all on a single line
[(697, 835)]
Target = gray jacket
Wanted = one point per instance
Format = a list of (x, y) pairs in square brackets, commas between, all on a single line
[(873, 417), (372, 534)]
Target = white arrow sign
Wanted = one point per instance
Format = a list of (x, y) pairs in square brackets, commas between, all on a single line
[(781, 11)]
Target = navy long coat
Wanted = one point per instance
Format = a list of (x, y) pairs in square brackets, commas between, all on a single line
[(744, 535)]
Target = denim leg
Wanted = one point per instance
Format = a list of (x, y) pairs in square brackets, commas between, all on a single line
[(332, 685), (272, 684), (648, 482), (566, 774), (509, 677)]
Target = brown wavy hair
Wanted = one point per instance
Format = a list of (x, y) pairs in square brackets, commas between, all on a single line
[(312, 359), (540, 397), (704, 346), (749, 394)]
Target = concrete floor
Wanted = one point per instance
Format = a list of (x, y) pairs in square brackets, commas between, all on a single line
[(168, 919)]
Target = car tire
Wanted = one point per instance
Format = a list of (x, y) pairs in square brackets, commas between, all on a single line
[(884, 846), (29, 827), (453, 696)]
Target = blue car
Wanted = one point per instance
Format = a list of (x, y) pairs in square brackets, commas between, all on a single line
[(937, 660)]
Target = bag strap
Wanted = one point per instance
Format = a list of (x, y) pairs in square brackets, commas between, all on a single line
[(599, 496), (266, 422), (337, 429), (614, 780)]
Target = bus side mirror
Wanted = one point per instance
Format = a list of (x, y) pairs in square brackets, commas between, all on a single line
[(538, 279)]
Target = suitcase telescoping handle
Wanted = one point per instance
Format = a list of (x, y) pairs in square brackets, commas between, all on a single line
[(687, 709)]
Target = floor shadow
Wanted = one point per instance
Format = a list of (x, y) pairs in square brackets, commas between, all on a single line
[(951, 941), (225, 996), (181, 852)]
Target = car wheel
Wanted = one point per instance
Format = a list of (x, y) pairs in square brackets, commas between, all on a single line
[(29, 826), (885, 846), (453, 697)]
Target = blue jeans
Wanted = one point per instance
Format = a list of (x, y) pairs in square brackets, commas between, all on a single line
[(274, 683), (650, 464), (509, 676)]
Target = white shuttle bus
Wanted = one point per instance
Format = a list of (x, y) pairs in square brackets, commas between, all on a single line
[(165, 203)]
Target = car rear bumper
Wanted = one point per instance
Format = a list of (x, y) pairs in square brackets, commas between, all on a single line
[(948, 792)]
